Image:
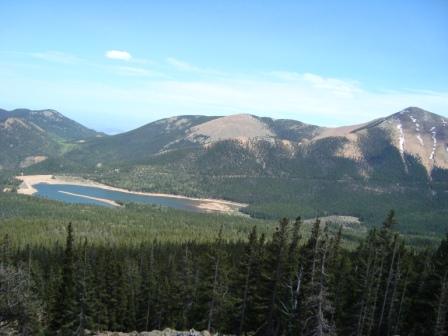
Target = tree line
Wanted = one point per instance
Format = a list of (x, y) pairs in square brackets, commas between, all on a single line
[(279, 285)]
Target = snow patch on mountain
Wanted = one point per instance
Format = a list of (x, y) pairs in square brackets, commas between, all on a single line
[(401, 139), (420, 140), (434, 140)]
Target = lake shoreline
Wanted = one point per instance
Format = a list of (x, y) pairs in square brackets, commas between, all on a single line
[(206, 204)]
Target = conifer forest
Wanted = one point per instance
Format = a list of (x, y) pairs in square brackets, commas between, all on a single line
[(282, 284)]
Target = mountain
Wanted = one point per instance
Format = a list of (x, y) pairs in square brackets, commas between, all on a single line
[(412, 135), (29, 137), (413, 131), (282, 167)]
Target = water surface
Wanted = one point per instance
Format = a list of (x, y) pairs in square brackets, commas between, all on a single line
[(53, 192)]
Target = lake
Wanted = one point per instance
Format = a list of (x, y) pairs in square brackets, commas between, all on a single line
[(64, 193)]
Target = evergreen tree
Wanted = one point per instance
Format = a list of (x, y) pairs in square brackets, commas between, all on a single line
[(441, 279), (442, 308), (147, 290), (274, 276), (383, 325), (64, 316), (188, 289), (390, 220), (336, 274), (318, 306), (254, 287), (19, 308), (292, 281), (5, 250), (420, 307), (218, 299), (247, 265), (246, 284), (84, 297)]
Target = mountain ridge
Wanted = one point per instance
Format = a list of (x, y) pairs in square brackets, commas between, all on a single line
[(279, 167), (413, 131), (245, 128)]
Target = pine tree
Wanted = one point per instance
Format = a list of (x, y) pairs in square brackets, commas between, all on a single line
[(217, 301), (401, 303), (116, 299), (64, 317), (147, 290), (20, 309), (318, 305), (392, 314), (274, 274), (5, 250), (442, 308), (131, 279), (441, 278), (366, 274), (381, 327), (420, 308), (83, 297), (292, 281), (91, 309), (336, 271), (247, 279), (247, 264), (390, 220), (99, 302), (188, 288)]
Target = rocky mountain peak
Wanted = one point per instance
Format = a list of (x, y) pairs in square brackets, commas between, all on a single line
[(420, 133)]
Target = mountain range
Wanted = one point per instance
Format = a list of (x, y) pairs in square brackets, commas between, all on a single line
[(279, 167)]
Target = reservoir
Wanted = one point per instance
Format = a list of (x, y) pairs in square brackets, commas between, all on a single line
[(92, 195)]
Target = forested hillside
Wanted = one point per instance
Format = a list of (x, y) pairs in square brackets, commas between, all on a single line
[(284, 284), (282, 167)]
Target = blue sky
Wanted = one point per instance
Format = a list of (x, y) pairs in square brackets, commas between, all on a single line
[(120, 64)]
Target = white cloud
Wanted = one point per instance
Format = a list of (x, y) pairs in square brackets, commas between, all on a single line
[(118, 55), (56, 56), (181, 65), (188, 67), (136, 72), (337, 86)]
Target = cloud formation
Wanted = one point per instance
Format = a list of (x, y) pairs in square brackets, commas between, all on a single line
[(56, 56), (186, 67), (136, 72), (153, 91), (181, 65), (118, 55)]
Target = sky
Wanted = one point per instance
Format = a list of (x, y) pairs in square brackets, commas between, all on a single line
[(116, 65)]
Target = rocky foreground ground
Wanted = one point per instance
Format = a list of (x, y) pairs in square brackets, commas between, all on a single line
[(165, 332)]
